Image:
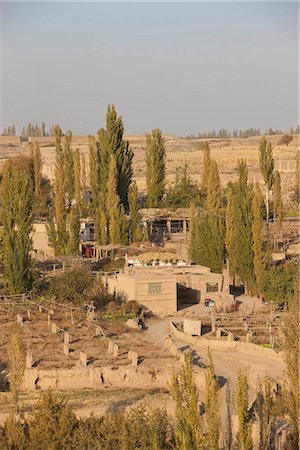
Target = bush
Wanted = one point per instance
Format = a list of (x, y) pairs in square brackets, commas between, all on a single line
[(72, 286), (279, 283)]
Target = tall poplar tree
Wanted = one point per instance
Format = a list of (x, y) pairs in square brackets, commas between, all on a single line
[(266, 165), (135, 224), (77, 178), (189, 426), (94, 166), (17, 219), (208, 240), (230, 230), (111, 143), (214, 190), (37, 167), (205, 167), (212, 414), (74, 232), (240, 250), (259, 259), (57, 224), (277, 202), (117, 223), (69, 168), (155, 168), (101, 225), (244, 430), (84, 204)]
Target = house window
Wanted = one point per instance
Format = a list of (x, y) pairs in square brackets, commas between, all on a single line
[(212, 287), (154, 288)]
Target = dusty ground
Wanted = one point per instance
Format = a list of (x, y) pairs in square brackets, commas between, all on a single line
[(227, 152)]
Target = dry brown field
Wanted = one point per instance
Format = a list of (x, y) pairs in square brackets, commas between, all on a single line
[(181, 151)]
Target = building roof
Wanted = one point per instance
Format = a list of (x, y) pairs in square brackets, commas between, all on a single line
[(164, 214)]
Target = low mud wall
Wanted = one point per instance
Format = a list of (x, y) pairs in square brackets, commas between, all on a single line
[(217, 344), (101, 378)]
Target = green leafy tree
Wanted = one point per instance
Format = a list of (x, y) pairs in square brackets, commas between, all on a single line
[(16, 352), (278, 203), (208, 235), (228, 432), (290, 331), (189, 427), (206, 167), (74, 232), (135, 224), (37, 167), (266, 165), (296, 194), (239, 242), (84, 203), (155, 168), (259, 259), (94, 160), (279, 283), (69, 168), (101, 225), (17, 219), (77, 178), (52, 423), (212, 413), (117, 223), (264, 409), (214, 190), (58, 215), (184, 192), (244, 430), (111, 143)]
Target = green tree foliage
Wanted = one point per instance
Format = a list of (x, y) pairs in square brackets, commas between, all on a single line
[(286, 139), (84, 203), (69, 168), (17, 218), (207, 242), (155, 168), (184, 192), (189, 427), (101, 225), (135, 224), (278, 203), (239, 237), (16, 352), (117, 223), (111, 143), (52, 424), (206, 167), (37, 167), (244, 430), (266, 165), (290, 331), (264, 409), (259, 259), (57, 226), (279, 283), (214, 190), (212, 414), (77, 178), (228, 439), (94, 159), (74, 232), (72, 286)]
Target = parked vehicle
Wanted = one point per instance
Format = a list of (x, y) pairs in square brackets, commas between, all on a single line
[(209, 302)]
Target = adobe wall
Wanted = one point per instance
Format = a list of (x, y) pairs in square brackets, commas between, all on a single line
[(163, 302), (40, 241), (101, 378)]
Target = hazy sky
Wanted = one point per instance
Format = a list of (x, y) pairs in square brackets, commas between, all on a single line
[(182, 67)]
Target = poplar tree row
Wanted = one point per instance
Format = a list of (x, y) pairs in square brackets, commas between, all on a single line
[(232, 223)]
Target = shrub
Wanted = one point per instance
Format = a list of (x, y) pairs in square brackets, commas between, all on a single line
[(279, 283), (72, 286)]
